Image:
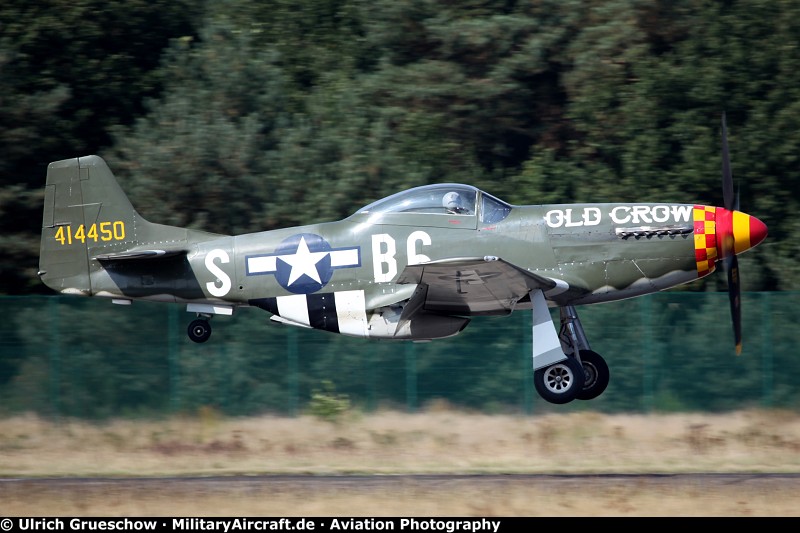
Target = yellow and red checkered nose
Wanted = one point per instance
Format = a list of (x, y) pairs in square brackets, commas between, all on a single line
[(718, 233)]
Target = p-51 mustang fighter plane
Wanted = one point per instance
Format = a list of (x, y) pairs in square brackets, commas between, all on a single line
[(416, 265)]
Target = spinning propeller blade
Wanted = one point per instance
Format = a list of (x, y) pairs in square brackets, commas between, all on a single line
[(736, 232), (727, 177)]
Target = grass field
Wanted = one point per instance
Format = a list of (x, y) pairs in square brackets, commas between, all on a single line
[(437, 441)]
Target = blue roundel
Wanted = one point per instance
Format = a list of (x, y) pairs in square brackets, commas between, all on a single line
[(303, 263)]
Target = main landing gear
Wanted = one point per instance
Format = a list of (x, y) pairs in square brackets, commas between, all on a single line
[(559, 383), (583, 375)]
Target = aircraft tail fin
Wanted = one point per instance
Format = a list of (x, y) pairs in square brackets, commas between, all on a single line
[(87, 217)]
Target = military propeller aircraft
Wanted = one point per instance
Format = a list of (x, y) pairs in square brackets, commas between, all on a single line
[(417, 265)]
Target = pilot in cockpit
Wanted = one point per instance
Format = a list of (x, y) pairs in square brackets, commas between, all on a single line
[(454, 204)]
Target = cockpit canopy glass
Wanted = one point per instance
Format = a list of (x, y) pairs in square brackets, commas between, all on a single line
[(492, 209), (443, 199)]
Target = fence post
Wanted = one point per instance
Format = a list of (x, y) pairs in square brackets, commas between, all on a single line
[(292, 378), (225, 374), (55, 357), (527, 369), (411, 378), (767, 378), (370, 364), (172, 357), (648, 378)]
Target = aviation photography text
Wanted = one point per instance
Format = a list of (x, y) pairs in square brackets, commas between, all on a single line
[(226, 525)]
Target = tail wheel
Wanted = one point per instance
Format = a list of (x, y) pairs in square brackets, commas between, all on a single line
[(199, 330), (560, 383), (597, 375)]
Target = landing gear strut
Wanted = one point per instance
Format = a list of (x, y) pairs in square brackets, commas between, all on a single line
[(575, 344), (583, 375)]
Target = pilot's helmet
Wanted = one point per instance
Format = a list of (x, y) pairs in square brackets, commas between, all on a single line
[(452, 201)]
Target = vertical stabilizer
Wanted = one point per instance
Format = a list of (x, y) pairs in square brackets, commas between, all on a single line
[(85, 213)]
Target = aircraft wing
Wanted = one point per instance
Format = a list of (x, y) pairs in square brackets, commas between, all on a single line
[(473, 285)]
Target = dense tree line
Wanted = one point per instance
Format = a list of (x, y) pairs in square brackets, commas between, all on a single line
[(244, 115)]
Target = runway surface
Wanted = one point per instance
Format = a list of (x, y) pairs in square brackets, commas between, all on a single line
[(334, 482), (696, 494)]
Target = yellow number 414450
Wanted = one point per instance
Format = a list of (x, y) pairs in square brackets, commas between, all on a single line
[(105, 231)]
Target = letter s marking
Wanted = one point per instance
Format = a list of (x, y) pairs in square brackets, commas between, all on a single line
[(223, 279)]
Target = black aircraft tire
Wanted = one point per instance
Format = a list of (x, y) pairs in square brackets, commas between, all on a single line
[(560, 383), (199, 330), (597, 375)]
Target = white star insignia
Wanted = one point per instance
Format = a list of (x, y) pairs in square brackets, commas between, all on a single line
[(303, 261)]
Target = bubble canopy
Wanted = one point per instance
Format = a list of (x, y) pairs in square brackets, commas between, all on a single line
[(442, 198)]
